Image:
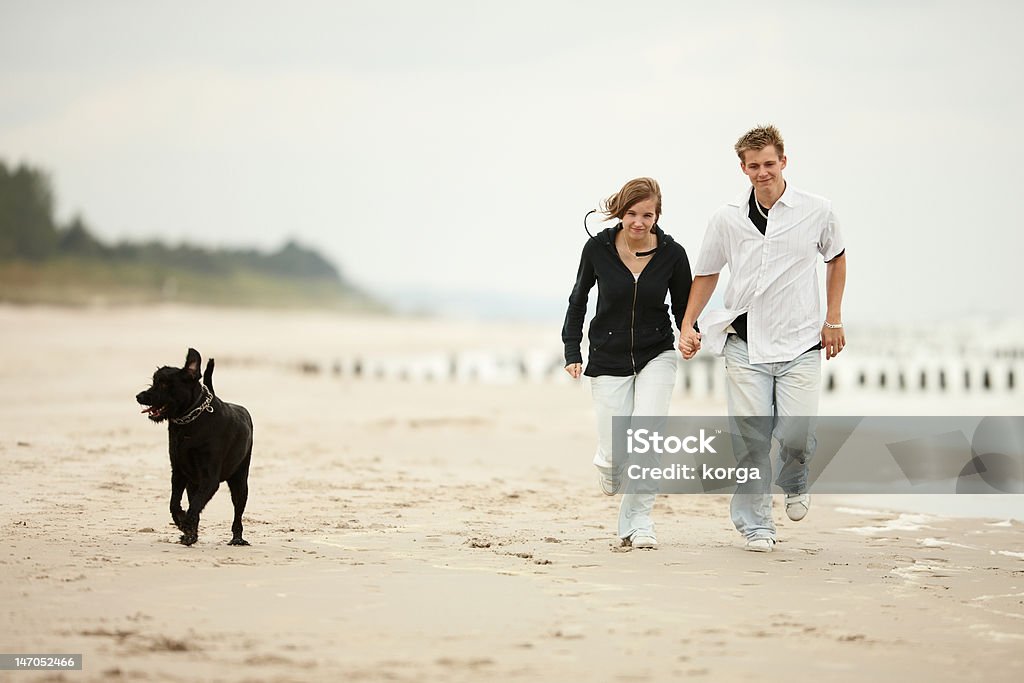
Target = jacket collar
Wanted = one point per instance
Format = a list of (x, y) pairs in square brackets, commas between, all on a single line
[(607, 236)]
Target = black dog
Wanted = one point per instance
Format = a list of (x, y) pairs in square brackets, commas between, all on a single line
[(210, 442)]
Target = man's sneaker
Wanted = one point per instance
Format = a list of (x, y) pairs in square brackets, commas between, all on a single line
[(642, 540), (609, 484), (797, 505), (760, 545)]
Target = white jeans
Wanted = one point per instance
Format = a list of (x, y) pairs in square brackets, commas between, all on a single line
[(786, 396), (647, 393)]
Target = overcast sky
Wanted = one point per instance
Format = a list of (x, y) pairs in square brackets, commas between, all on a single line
[(455, 146)]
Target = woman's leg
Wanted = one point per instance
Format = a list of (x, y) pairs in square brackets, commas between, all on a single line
[(652, 394), (613, 396)]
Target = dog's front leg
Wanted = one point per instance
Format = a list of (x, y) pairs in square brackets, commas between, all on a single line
[(203, 493), (177, 488)]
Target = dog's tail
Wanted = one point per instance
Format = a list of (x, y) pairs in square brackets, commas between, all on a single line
[(208, 376)]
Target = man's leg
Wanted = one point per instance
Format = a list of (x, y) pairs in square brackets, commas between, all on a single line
[(797, 388), (652, 395), (749, 397)]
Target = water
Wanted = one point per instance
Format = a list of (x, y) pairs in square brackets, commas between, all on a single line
[(975, 506)]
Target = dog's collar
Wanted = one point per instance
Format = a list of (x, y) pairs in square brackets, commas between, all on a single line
[(198, 410)]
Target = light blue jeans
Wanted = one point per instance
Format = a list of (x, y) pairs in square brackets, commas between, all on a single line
[(648, 393), (768, 400)]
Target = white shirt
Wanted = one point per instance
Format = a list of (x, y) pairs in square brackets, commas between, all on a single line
[(773, 278)]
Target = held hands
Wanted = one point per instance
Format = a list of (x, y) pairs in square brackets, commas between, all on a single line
[(689, 342), (833, 340), (574, 370)]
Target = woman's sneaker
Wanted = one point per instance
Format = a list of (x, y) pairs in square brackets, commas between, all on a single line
[(644, 541)]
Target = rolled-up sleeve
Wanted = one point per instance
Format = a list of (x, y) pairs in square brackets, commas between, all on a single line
[(830, 244), (713, 256)]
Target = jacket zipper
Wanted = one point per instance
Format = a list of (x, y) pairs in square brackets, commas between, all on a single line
[(632, 324), (632, 310)]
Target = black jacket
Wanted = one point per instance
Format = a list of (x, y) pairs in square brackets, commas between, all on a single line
[(631, 325)]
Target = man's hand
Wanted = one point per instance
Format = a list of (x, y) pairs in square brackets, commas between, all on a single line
[(700, 293), (832, 340), (574, 370), (689, 342)]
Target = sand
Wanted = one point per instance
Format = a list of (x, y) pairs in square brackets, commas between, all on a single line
[(432, 530)]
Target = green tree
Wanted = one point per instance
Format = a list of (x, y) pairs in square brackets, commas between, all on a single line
[(294, 260), (77, 240), (27, 228)]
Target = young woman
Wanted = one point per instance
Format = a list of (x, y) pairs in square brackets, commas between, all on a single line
[(632, 359)]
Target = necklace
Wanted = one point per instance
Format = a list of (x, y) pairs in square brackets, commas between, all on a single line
[(631, 252), (758, 205)]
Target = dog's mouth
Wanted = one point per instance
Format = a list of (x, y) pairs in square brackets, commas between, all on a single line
[(154, 412)]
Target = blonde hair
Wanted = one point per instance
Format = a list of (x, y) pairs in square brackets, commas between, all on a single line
[(758, 138), (636, 190)]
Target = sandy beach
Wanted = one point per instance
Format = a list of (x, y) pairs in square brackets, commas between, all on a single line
[(432, 531)]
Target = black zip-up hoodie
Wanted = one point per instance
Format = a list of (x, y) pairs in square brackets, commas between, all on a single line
[(631, 325)]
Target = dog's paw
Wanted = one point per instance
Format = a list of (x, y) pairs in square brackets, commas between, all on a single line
[(188, 538), (179, 519), (238, 541)]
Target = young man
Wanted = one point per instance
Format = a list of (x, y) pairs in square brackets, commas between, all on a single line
[(770, 331)]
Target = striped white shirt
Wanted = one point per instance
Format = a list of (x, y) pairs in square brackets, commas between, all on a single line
[(773, 278)]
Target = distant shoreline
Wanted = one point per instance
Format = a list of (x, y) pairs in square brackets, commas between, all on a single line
[(75, 283)]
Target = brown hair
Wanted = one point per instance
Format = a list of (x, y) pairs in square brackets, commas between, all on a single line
[(636, 190), (758, 138)]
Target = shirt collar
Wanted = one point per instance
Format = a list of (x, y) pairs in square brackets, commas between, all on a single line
[(743, 198), (789, 197)]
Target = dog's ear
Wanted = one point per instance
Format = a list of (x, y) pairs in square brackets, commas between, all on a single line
[(192, 362)]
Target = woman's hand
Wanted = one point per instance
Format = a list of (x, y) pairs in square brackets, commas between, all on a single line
[(689, 342), (574, 370)]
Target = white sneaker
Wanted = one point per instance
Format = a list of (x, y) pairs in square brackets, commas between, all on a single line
[(644, 541), (797, 505), (760, 545), (609, 484)]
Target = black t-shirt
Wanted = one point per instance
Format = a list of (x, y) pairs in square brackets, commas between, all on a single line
[(760, 221)]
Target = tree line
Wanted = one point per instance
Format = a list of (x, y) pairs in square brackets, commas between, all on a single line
[(29, 232)]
